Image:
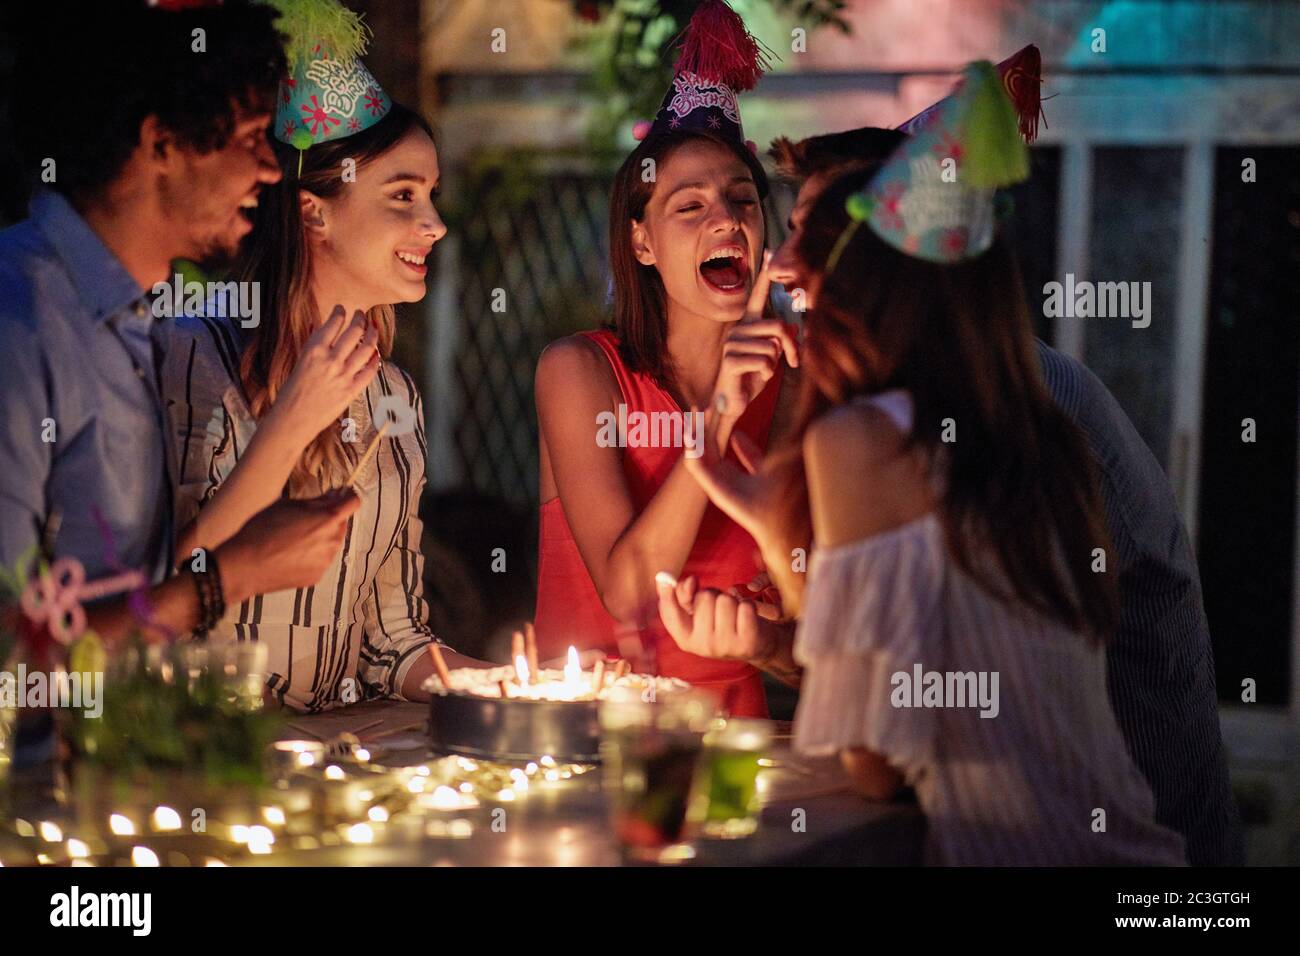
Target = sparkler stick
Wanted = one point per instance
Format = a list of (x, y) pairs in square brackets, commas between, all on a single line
[(370, 450)]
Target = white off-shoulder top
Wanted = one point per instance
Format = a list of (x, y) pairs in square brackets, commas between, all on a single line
[(997, 717)]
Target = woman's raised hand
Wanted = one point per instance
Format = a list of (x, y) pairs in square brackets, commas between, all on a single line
[(335, 365), (758, 496), (709, 623), (751, 352)]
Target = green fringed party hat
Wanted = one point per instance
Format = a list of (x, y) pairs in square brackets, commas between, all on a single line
[(933, 199), (329, 93), (995, 154)]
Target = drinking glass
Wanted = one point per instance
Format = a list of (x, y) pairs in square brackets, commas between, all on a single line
[(649, 750), (724, 802)]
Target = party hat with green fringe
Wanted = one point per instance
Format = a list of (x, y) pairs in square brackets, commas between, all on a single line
[(329, 93), (933, 198)]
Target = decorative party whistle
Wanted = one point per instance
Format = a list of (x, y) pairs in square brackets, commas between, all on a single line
[(54, 597)]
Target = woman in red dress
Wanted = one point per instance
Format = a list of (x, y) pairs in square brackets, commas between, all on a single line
[(686, 242)]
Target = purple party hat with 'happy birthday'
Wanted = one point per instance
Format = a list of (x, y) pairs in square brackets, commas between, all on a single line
[(718, 59)]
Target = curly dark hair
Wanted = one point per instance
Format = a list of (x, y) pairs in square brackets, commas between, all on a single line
[(86, 75), (799, 161)]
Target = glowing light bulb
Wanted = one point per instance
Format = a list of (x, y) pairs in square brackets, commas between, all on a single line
[(165, 818), (445, 798), (260, 839)]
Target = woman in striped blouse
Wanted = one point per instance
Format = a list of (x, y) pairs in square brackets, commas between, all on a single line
[(293, 404)]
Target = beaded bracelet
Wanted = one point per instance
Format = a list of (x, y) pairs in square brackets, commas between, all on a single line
[(212, 602)]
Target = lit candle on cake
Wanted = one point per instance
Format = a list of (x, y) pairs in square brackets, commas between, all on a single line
[(573, 672)]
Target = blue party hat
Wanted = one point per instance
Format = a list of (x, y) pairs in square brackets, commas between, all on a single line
[(329, 94)]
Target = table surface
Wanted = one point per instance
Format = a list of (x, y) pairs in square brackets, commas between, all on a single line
[(809, 814)]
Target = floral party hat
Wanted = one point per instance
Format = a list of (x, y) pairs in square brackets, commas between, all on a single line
[(329, 93), (933, 198)]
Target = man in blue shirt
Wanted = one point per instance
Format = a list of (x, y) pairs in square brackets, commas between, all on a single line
[(1160, 663), (160, 167)]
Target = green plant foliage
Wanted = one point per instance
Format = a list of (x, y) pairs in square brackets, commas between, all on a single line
[(150, 723), (634, 52), (12, 582)]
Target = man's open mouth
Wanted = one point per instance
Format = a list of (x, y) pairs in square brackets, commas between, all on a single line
[(726, 269)]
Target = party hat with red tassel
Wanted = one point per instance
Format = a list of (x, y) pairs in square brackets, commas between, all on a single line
[(719, 58), (1022, 78)]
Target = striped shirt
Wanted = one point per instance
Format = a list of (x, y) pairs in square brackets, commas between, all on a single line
[(1160, 664), (996, 716), (355, 633)]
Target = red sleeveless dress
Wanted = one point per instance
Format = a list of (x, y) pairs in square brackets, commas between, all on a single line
[(569, 611)]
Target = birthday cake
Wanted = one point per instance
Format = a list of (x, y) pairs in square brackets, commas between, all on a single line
[(550, 685), (491, 713)]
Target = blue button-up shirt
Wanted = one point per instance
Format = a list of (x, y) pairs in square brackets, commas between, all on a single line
[(82, 439)]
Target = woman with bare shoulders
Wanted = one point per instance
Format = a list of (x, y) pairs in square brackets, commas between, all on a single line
[(620, 409), (954, 623)]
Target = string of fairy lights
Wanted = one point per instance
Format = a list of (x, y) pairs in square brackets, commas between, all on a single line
[(321, 795)]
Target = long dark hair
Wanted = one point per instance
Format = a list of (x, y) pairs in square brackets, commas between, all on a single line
[(1020, 480), (640, 303), (278, 257)]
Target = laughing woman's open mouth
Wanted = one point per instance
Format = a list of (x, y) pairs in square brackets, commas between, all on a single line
[(726, 269)]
